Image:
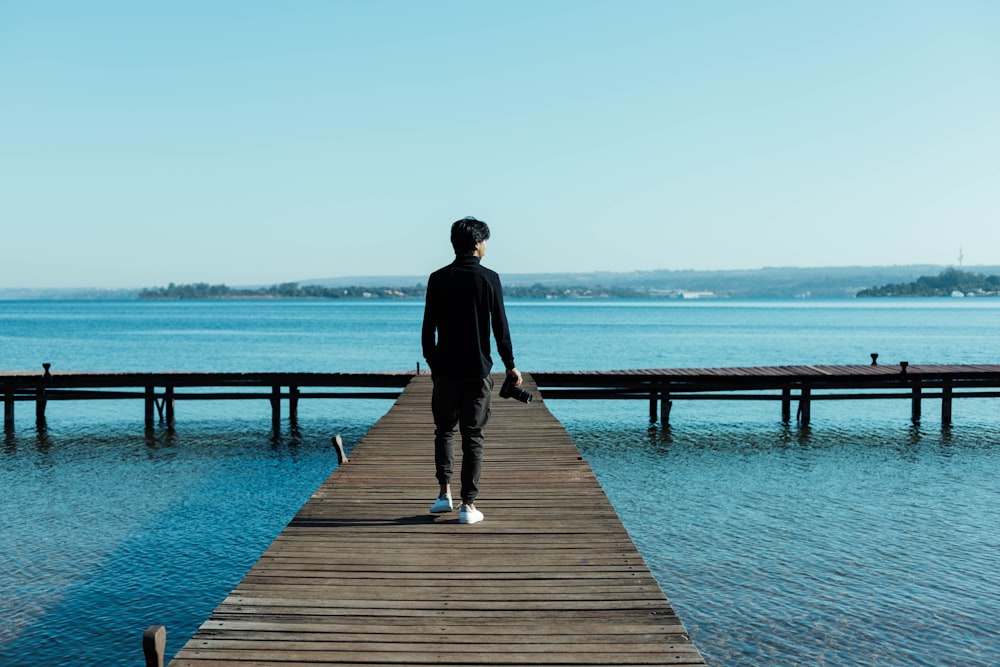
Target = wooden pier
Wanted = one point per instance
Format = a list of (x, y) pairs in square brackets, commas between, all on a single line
[(787, 384), (363, 575), (801, 385), (159, 392)]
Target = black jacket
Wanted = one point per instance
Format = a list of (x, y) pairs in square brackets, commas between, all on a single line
[(464, 299)]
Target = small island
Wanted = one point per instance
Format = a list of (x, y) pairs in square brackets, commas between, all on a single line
[(950, 282)]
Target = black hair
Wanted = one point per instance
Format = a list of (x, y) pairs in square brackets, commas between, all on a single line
[(467, 233)]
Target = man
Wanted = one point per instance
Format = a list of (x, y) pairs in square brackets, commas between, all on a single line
[(464, 301)]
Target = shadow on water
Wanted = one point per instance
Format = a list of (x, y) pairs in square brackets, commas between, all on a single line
[(142, 528)]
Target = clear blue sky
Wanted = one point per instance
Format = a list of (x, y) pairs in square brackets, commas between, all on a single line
[(245, 142)]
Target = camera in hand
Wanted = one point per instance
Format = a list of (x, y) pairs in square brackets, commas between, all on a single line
[(508, 390)]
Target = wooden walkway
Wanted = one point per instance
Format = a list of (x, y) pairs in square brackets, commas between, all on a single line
[(363, 575), (803, 384), (787, 384)]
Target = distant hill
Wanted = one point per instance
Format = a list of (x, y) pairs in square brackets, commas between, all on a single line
[(769, 282), (765, 283)]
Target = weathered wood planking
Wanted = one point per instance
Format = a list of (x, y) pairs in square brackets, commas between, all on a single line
[(363, 575)]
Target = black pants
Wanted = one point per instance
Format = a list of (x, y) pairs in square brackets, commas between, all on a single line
[(464, 406)]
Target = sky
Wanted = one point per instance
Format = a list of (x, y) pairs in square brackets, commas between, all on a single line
[(245, 143)]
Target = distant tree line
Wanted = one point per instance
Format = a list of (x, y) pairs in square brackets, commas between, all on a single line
[(296, 291), (282, 291), (539, 291), (946, 283)]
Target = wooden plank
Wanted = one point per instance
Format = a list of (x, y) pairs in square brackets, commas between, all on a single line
[(364, 575)]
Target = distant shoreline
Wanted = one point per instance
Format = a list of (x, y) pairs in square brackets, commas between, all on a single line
[(764, 283)]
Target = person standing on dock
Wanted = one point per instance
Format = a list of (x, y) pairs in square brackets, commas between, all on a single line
[(464, 301)]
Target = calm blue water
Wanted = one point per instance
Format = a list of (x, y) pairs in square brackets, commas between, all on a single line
[(864, 539)]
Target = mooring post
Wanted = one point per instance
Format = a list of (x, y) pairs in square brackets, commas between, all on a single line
[(804, 406), (276, 408), (946, 403), (154, 645), (168, 401), (915, 402), (786, 404)]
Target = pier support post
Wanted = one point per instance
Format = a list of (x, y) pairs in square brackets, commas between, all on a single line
[(653, 398), (805, 408), (40, 401), (168, 401), (8, 411), (946, 403), (276, 408), (665, 405), (40, 406), (150, 403), (154, 645), (915, 401), (786, 404), (293, 404)]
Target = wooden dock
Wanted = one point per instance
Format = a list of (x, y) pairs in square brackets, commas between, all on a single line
[(802, 385), (363, 575), (160, 391)]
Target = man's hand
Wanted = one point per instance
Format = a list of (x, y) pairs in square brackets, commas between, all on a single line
[(516, 375)]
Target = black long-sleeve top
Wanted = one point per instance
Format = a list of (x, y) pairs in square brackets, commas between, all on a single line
[(464, 299)]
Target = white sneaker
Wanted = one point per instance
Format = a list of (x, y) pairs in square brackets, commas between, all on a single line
[(442, 505), (469, 514)]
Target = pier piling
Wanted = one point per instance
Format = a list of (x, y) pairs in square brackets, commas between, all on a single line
[(946, 403), (805, 406), (8, 410)]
